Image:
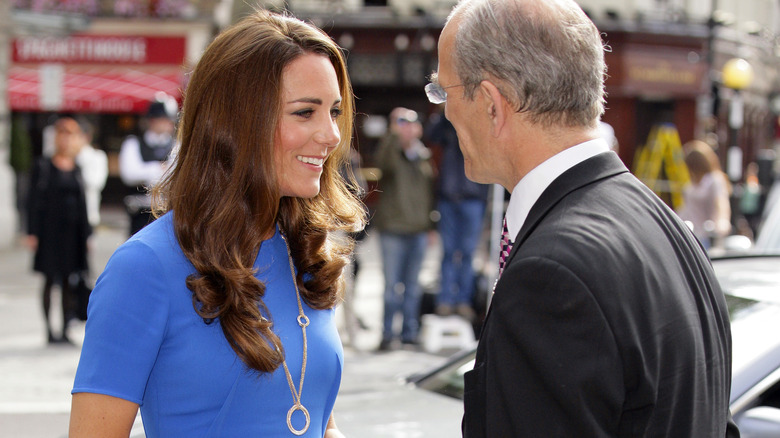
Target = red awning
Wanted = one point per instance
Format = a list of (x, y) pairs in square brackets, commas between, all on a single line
[(93, 89)]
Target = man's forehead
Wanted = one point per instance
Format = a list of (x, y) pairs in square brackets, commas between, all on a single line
[(67, 125), (447, 40)]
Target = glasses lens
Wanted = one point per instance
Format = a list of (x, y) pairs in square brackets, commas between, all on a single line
[(435, 93)]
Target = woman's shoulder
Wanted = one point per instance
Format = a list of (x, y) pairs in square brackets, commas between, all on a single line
[(156, 240), (148, 267)]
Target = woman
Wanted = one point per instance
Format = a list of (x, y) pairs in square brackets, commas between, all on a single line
[(58, 225), (706, 199), (217, 318)]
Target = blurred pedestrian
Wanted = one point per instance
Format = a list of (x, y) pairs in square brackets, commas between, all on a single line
[(217, 318), (706, 203), (606, 319), (750, 198), (144, 159), (461, 204), (93, 163), (58, 226), (403, 219)]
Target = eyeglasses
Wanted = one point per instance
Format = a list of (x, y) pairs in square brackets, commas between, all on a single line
[(436, 93)]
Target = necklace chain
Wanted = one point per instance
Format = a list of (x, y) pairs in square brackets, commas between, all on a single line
[(303, 322)]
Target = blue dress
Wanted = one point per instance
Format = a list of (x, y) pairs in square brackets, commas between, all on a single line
[(145, 343)]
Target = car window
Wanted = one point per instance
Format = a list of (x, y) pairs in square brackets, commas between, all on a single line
[(751, 320), (743, 308), (746, 314), (755, 353), (771, 397), (448, 380)]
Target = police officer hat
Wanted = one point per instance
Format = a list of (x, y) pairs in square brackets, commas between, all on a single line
[(163, 106)]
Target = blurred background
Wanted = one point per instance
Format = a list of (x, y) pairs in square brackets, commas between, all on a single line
[(668, 63), (678, 71)]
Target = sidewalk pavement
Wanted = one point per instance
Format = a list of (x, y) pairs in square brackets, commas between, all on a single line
[(36, 378)]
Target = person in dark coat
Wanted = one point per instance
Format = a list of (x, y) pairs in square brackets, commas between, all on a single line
[(403, 219), (58, 227), (607, 319), (461, 205)]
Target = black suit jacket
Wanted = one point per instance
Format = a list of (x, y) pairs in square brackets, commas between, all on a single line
[(607, 321)]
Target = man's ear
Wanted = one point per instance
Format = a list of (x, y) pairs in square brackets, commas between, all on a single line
[(496, 106)]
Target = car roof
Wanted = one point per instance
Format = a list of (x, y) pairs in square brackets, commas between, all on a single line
[(754, 276)]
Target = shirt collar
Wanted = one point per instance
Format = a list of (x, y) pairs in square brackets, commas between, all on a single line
[(153, 139), (534, 183)]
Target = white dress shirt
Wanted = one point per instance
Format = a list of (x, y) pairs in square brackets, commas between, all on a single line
[(94, 170), (535, 182), (133, 170)]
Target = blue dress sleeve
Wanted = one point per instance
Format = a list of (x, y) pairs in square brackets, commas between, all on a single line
[(126, 324)]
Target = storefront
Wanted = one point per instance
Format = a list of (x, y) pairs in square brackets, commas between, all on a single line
[(673, 78), (94, 73), (653, 79), (108, 79)]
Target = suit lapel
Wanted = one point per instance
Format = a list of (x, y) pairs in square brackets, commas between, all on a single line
[(587, 172), (593, 169)]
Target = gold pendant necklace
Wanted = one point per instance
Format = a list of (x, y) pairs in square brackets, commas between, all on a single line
[(303, 322)]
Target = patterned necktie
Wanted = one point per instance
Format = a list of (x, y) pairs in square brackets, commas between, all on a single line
[(506, 248)]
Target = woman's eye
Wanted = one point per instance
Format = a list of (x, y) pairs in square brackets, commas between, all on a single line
[(305, 113), (335, 112)]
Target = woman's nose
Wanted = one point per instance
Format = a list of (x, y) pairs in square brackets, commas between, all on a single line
[(329, 134)]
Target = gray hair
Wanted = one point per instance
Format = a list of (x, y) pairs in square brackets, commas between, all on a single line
[(545, 56)]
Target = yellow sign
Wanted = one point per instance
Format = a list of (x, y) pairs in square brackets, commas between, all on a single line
[(661, 164), (662, 72)]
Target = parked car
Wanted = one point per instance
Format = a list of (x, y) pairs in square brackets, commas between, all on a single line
[(768, 236), (397, 407), (752, 286), (430, 403)]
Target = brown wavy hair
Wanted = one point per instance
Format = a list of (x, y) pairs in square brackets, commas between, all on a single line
[(223, 188)]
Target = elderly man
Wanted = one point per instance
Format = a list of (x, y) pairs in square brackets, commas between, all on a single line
[(607, 319)]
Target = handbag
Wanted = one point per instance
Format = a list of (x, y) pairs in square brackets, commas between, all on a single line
[(81, 289)]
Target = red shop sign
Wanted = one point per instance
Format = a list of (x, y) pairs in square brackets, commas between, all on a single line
[(100, 49)]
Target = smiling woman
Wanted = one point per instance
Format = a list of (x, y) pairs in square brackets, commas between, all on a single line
[(308, 130), (238, 277)]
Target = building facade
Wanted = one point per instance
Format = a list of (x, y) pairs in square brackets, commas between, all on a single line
[(664, 61), (105, 61)]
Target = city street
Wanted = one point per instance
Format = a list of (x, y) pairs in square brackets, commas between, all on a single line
[(684, 94), (36, 378)]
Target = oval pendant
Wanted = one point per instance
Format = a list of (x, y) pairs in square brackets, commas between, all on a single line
[(298, 407)]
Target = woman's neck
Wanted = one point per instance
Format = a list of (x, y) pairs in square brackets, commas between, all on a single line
[(63, 162)]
